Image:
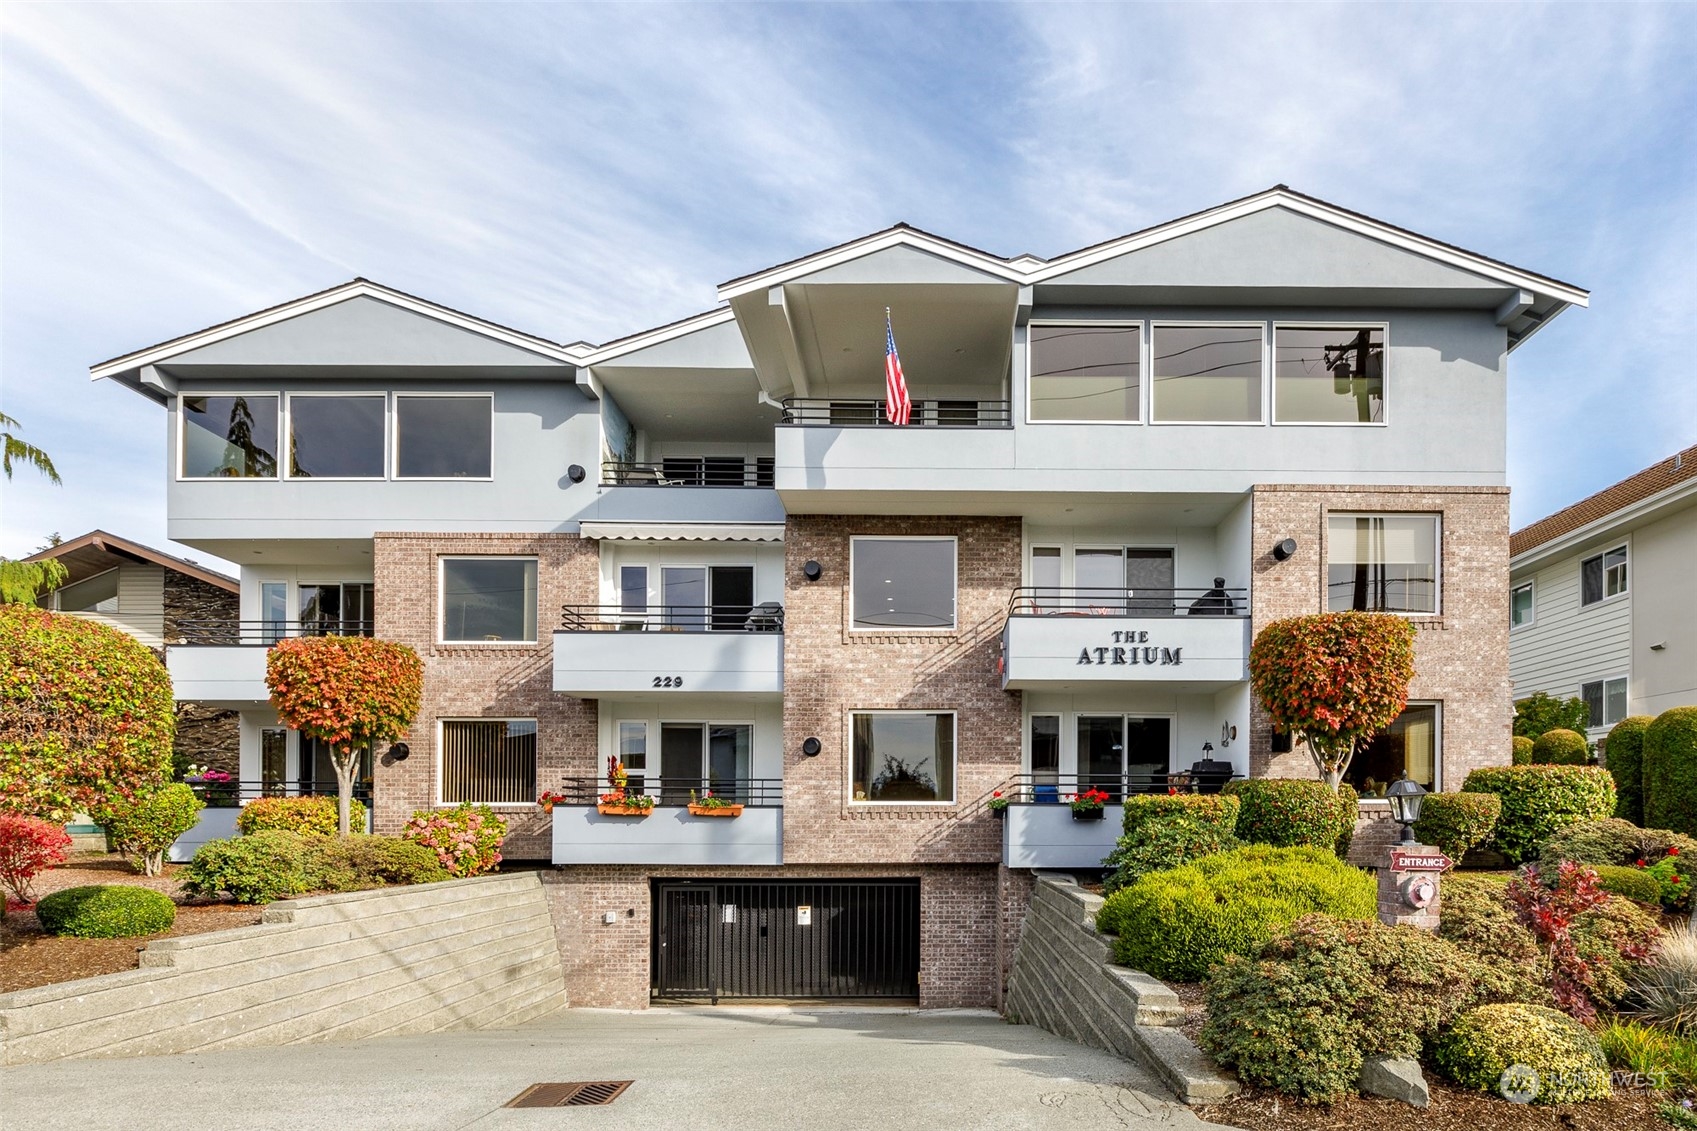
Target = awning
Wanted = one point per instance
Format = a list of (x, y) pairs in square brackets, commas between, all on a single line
[(685, 531)]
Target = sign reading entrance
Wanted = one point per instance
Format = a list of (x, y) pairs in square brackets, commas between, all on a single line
[(1419, 861), (1128, 647)]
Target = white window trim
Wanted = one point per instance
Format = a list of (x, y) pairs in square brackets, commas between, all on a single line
[(653, 776), (287, 438), (441, 731), (182, 436), (1532, 610), (395, 436), (1266, 371), (1437, 750), (1069, 735), (442, 600), (1437, 556), (954, 756), (1604, 681), (55, 602), (1625, 548), (911, 630), (1384, 380), (1142, 368)]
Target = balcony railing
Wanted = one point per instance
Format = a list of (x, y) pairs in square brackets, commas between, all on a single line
[(1042, 788), (765, 617), (755, 793), (267, 632), (1055, 601), (830, 412), (233, 793), (705, 471)]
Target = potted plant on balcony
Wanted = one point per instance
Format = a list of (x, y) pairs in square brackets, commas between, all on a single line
[(708, 805), (549, 799), (1088, 806), (998, 805), (620, 801)]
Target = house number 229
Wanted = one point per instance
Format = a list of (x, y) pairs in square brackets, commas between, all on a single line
[(668, 681)]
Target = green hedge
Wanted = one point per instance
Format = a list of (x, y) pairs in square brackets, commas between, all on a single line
[(1284, 812), (1177, 923), (1166, 830), (1616, 841), (1670, 771), (1623, 755), (1560, 747), (1457, 822), (1522, 750), (308, 816), (1487, 1040), (106, 911), (358, 862), (1633, 883), (1539, 801), (257, 868)]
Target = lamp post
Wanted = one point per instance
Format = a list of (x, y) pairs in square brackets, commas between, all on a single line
[(1405, 797)]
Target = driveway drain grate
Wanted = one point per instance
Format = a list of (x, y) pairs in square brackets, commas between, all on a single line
[(592, 1093)]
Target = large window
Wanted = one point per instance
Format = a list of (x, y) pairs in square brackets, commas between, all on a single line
[(488, 600), (1085, 372), (904, 582), (1606, 700), (1520, 607), (1602, 576), (904, 756), (229, 437), (489, 761), (336, 437), (443, 437), (1408, 746), (1207, 374), (1382, 563), (1328, 375), (97, 594), (339, 608)]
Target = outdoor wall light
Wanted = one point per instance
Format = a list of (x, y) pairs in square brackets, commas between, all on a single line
[(811, 747), (1405, 797), (812, 570), (398, 752), (576, 473), (1284, 550)]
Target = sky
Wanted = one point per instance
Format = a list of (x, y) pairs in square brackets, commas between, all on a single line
[(584, 172)]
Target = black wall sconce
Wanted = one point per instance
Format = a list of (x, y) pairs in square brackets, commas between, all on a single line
[(811, 747), (812, 570), (576, 473), (399, 752), (1284, 550)]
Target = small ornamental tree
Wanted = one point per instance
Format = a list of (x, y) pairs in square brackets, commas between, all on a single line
[(1539, 713), (28, 847), (348, 692), (1333, 680)]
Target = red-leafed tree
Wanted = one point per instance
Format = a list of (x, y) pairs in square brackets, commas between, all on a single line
[(349, 692), (1333, 680)]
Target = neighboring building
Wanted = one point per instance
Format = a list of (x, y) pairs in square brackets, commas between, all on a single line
[(700, 549), (1598, 604)]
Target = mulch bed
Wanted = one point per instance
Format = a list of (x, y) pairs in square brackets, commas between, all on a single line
[(1452, 1110)]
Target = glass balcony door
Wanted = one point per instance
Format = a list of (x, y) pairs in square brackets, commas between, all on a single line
[(702, 756)]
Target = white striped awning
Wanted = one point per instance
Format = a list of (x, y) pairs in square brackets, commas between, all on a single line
[(685, 531)]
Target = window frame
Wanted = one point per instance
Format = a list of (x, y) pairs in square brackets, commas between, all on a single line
[(442, 561), (394, 464), (1143, 388), (57, 595), (954, 756), (182, 436), (1603, 684), (1263, 327), (441, 750), (1437, 556), (1602, 556), (1273, 377), (1437, 706), (952, 629), (1532, 607), (286, 459)]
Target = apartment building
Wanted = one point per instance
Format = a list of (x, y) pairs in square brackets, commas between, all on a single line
[(703, 551), (1597, 606)]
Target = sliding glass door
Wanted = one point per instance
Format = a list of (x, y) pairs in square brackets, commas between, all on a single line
[(703, 756)]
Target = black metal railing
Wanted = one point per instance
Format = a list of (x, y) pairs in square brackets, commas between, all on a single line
[(706, 471), (1057, 601), (265, 632), (870, 413), (765, 617), (231, 794), (1042, 788), (757, 793)]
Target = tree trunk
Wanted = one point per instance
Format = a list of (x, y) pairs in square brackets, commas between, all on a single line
[(344, 763), (153, 864)]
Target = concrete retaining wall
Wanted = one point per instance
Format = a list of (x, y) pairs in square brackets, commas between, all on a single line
[(457, 955)]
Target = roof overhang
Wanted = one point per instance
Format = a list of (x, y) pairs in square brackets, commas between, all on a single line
[(98, 551), (1614, 524)]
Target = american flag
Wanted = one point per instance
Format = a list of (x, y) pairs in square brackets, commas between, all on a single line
[(897, 406)]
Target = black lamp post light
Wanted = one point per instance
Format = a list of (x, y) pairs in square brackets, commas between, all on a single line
[(1406, 798)]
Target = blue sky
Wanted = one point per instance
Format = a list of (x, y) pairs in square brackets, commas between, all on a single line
[(588, 171)]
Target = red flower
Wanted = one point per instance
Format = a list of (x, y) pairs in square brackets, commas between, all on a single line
[(1673, 852)]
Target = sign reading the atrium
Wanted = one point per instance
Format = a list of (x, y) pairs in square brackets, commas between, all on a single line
[(1130, 647)]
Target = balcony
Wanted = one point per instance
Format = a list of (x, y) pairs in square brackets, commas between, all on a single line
[(223, 661), (719, 649), (691, 471), (1073, 639), (670, 833), (1039, 830), (837, 413)]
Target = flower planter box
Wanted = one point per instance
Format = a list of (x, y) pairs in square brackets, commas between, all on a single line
[(623, 810), (1000, 814), (1088, 814), (716, 810)]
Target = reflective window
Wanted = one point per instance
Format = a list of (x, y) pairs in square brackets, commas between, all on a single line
[(1602, 576), (1085, 372), (443, 437), (486, 600), (1520, 605), (1328, 375), (1382, 563), (1046, 751), (1208, 374), (97, 594), (633, 754), (229, 437), (336, 437), (904, 582), (904, 756), (1408, 746), (1606, 700)]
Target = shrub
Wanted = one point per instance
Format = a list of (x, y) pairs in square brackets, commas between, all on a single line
[(1178, 923), (1284, 812), (1303, 1015), (147, 827), (1630, 883), (106, 911), (1522, 755), (28, 847), (1458, 822), (1166, 830), (268, 865), (1474, 915), (1560, 747), (1670, 771), (1590, 939), (360, 862), (1663, 991), (1615, 939), (1540, 712), (1667, 1060), (1539, 801), (308, 816), (1623, 754), (1619, 842), (1487, 1040), (466, 839)]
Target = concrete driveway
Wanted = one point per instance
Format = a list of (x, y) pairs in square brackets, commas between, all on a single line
[(699, 1068)]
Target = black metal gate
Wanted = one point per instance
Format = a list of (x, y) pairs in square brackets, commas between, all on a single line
[(785, 939)]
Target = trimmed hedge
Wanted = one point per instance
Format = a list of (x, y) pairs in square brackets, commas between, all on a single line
[(1539, 801), (1284, 812), (1604, 934), (308, 816), (1670, 771), (106, 911), (358, 862), (1560, 747), (1632, 883), (1487, 1040), (258, 868), (1458, 822), (1522, 750), (1616, 841), (1177, 923), (1165, 830), (1623, 755)]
